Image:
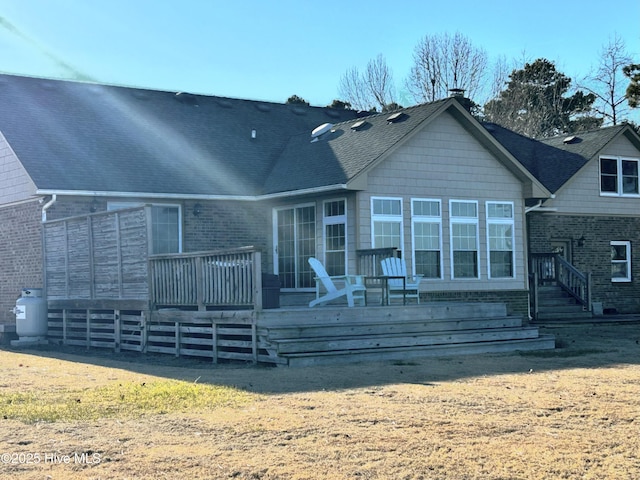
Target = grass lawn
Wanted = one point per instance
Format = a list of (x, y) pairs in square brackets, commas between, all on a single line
[(569, 413)]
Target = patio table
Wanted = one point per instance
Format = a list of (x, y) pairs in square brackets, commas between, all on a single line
[(382, 282)]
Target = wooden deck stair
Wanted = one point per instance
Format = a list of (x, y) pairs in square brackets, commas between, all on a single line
[(555, 304), (300, 337)]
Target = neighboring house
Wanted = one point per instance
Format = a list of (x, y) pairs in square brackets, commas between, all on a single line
[(451, 195)]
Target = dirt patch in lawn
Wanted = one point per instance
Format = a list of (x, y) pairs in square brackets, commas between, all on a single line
[(567, 413)]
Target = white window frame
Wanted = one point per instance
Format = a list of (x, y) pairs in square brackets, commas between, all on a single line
[(619, 176), (335, 220), (431, 219), (111, 206), (469, 221), (627, 261), (501, 221), (276, 252), (387, 218)]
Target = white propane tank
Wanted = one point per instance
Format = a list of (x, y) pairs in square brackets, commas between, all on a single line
[(31, 315)]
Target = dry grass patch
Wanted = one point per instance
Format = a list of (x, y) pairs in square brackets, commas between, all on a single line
[(569, 414)]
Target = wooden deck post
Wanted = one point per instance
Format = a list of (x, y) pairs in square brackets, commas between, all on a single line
[(214, 340), (254, 342), (177, 334), (117, 330), (257, 281), (88, 317)]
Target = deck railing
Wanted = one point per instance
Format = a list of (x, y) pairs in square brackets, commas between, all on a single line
[(229, 278), (552, 268), (369, 260)]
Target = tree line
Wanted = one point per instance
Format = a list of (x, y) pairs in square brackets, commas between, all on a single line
[(534, 99)]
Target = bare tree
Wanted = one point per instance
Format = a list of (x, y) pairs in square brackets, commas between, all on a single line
[(607, 82), (371, 89), (445, 62)]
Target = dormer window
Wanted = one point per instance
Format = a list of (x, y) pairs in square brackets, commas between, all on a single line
[(619, 176)]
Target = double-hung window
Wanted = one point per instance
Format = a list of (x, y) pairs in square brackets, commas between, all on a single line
[(464, 238), (500, 241), (426, 218), (620, 261), (335, 236), (386, 222), (619, 176)]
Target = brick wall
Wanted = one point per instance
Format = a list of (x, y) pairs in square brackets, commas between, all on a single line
[(225, 224), (595, 255), (20, 254)]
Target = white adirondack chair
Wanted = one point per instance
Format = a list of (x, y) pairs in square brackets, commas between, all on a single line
[(396, 287), (353, 286)]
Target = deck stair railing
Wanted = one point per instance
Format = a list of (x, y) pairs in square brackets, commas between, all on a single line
[(552, 268), (207, 279)]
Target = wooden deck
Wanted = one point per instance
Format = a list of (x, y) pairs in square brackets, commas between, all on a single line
[(329, 335), (300, 336)]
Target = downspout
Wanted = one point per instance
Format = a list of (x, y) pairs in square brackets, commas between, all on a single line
[(535, 207), (47, 206)]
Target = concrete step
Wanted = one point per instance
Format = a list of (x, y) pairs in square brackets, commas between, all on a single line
[(554, 315), (542, 342), (552, 309)]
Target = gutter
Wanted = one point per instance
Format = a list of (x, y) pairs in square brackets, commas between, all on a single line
[(539, 208), (178, 196)]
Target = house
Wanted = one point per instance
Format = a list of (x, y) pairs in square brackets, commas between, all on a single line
[(463, 203), (592, 218)]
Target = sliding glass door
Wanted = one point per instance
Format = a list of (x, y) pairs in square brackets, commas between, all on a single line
[(294, 243)]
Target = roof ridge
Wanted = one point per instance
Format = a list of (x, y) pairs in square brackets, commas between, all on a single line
[(592, 130), (391, 112)]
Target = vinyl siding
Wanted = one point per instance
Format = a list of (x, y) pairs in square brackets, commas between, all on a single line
[(581, 194), (444, 162), (15, 183)]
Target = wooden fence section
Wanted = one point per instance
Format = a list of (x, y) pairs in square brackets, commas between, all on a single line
[(230, 278), (218, 335), (98, 256), (100, 328)]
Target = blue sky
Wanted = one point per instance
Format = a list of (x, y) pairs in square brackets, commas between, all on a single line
[(270, 50)]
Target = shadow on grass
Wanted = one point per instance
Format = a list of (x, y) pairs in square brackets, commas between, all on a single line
[(578, 346)]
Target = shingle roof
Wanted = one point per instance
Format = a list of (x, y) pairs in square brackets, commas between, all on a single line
[(587, 144), (87, 137), (551, 165), (342, 154), (555, 160), (74, 136)]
